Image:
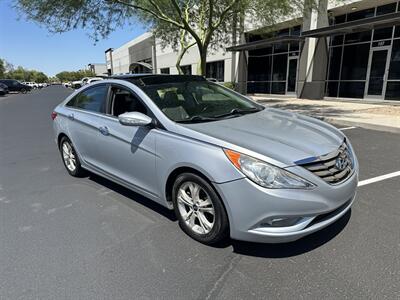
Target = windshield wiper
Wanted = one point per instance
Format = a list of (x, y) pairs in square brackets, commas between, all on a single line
[(197, 119), (239, 111)]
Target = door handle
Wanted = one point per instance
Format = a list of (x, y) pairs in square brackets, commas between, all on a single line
[(71, 117), (103, 130)]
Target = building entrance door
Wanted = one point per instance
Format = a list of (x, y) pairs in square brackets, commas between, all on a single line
[(378, 68), (291, 81)]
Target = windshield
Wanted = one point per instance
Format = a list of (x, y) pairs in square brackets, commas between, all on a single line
[(198, 101)]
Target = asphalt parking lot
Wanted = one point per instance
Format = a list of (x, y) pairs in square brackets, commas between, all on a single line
[(68, 238)]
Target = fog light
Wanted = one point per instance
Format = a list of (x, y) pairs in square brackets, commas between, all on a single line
[(281, 222)]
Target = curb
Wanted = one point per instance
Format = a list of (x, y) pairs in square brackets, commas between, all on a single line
[(361, 125)]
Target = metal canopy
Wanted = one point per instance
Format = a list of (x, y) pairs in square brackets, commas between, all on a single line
[(264, 43), (355, 26)]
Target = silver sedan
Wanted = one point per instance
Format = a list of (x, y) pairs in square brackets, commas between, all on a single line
[(226, 165)]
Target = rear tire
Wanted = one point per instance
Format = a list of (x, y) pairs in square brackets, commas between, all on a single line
[(199, 209), (70, 158)]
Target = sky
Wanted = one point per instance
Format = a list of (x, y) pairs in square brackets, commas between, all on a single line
[(25, 43)]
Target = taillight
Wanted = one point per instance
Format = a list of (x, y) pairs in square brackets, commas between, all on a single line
[(53, 115)]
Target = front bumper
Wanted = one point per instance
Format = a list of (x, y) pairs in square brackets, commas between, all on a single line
[(249, 206)]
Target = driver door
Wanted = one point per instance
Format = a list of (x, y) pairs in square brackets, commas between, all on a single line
[(127, 152)]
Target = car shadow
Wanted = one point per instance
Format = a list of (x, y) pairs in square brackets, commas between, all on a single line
[(262, 250), (158, 208), (295, 248)]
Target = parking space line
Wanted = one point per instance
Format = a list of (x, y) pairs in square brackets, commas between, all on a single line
[(379, 178), (347, 128)]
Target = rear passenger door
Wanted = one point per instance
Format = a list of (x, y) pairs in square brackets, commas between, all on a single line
[(85, 112)]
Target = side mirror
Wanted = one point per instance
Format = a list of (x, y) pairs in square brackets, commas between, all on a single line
[(134, 118)]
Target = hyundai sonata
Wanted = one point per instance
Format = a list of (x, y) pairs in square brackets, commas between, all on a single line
[(226, 165)]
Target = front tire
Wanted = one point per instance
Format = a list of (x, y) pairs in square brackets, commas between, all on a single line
[(23, 91), (199, 209), (70, 158)]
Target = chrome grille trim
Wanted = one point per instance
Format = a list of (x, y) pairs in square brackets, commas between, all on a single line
[(326, 168)]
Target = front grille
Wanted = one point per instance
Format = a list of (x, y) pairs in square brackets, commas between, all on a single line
[(333, 167)]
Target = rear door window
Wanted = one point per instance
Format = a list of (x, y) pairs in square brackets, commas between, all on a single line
[(92, 99)]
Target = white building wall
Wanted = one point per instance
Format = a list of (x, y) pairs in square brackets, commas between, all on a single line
[(166, 58)]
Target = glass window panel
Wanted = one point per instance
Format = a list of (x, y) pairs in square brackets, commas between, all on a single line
[(263, 51), (397, 31), (332, 88), (337, 40), (394, 70), (294, 46), (164, 70), (340, 19), (283, 32), (358, 37), (295, 31), (259, 68), (292, 75), (386, 9), (355, 62), (383, 33), (278, 88), (279, 67), (92, 99), (215, 70), (259, 87), (393, 91), (362, 14), (187, 70), (281, 47), (334, 63), (351, 89)]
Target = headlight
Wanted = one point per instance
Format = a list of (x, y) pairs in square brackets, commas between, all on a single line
[(265, 174)]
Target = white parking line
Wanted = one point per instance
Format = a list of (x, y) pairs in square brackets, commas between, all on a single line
[(379, 178), (347, 128)]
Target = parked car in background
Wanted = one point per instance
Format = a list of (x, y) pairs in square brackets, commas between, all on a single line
[(67, 84), (227, 165), (94, 79), (3, 89), (76, 84), (16, 86)]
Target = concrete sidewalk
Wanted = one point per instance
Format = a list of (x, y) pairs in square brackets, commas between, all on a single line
[(384, 117)]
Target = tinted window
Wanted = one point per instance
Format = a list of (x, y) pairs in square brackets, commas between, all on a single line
[(187, 70), (123, 100), (92, 99), (334, 63), (355, 62), (394, 71), (386, 9), (164, 71), (215, 70), (362, 14)]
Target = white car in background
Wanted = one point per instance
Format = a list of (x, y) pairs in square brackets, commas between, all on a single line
[(94, 79)]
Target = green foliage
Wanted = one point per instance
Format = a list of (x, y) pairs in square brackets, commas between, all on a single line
[(229, 85), (8, 71), (2, 68), (66, 76)]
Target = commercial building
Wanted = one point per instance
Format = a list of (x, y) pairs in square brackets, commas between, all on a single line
[(347, 51), (99, 69)]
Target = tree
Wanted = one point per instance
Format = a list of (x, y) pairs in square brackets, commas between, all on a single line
[(205, 23), (65, 76), (2, 68)]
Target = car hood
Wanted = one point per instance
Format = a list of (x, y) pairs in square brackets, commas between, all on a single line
[(282, 136)]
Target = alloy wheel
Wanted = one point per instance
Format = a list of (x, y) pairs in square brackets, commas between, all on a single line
[(196, 207), (69, 156)]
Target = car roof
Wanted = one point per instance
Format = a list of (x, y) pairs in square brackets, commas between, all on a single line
[(152, 79)]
